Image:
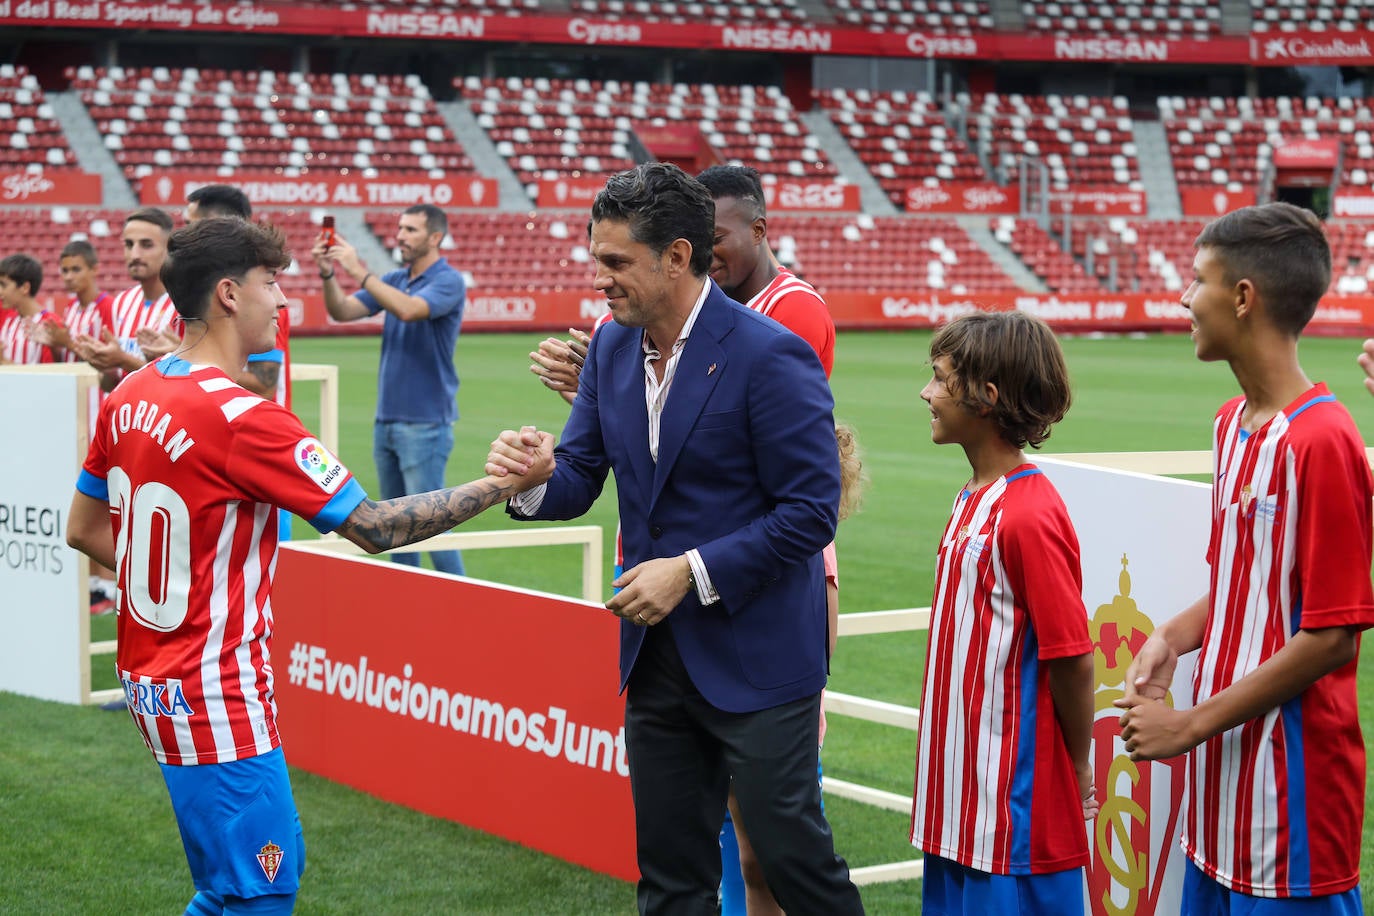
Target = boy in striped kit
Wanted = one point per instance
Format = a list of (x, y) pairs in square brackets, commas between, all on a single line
[(21, 275), (1003, 778), (177, 494), (1276, 762)]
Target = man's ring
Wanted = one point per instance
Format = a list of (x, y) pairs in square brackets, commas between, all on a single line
[(640, 618)]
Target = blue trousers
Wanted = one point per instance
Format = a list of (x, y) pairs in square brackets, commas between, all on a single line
[(410, 459)]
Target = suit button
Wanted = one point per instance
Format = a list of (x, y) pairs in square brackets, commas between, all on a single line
[(655, 532)]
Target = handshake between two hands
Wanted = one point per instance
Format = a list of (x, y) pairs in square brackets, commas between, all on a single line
[(526, 455), (651, 590)]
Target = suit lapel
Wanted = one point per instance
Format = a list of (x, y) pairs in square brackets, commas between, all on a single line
[(632, 413), (700, 368)]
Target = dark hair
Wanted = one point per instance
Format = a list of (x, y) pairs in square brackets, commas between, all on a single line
[(208, 250), (435, 220), (661, 203), (23, 268), (152, 215), (1282, 250), (1019, 354), (80, 248), (738, 181), (220, 200)]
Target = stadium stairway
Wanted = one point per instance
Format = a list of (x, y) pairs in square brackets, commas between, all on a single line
[(816, 11), (980, 232), (1008, 16), (91, 154), (485, 159), (874, 198), (352, 225), (1156, 169), (1235, 17)]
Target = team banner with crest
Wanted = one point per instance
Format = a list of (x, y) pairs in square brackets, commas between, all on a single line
[(1143, 541)]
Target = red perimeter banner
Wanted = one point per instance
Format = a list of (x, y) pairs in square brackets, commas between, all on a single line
[(1307, 154), (1213, 201), (266, 189), (575, 193), (555, 312), (51, 186), (426, 23), (802, 196), (956, 197), (451, 709), (1353, 204), (1103, 201)]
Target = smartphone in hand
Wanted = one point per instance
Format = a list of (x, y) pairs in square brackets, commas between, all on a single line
[(327, 231)]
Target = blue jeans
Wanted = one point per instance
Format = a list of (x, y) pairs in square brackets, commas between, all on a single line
[(411, 458)]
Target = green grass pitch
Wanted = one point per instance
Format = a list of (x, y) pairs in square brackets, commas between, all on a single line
[(88, 826)]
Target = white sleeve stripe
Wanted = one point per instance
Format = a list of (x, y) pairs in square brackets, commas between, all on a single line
[(239, 406), (217, 384)]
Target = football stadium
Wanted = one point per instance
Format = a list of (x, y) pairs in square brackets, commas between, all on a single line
[(456, 745)]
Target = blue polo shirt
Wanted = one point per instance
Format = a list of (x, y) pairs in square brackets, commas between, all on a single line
[(417, 381)]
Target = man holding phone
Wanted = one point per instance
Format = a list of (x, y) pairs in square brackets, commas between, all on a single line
[(417, 383)]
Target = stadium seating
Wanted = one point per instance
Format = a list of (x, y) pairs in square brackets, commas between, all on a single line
[(291, 124), (1082, 141), (1228, 142), (903, 138), (715, 12), (1043, 255), (1191, 19), (509, 251), (34, 139), (529, 121), (945, 17), (550, 128), (1311, 15), (864, 253)]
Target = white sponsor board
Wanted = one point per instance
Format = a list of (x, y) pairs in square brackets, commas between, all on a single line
[(1143, 540), (42, 610)]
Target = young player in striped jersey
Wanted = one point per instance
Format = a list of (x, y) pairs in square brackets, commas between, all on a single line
[(177, 494), (1276, 763), (21, 276), (88, 310), (1003, 778), (143, 308)]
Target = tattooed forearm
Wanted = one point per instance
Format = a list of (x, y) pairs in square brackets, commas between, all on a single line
[(397, 522)]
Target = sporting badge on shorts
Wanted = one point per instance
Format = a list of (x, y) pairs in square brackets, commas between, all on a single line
[(269, 857), (319, 465)]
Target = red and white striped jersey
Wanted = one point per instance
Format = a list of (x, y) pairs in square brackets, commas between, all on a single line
[(132, 311), (15, 345), (1276, 805), (995, 784), (192, 466), (89, 320), (795, 304)]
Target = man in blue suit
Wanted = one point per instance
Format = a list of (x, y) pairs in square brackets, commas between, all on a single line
[(717, 423)]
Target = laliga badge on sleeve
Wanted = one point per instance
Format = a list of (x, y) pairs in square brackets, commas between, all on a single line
[(319, 465)]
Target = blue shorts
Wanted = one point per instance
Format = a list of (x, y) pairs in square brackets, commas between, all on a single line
[(239, 825), (951, 889), (1205, 896)]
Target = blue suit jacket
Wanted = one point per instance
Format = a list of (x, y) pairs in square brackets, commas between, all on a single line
[(747, 473)]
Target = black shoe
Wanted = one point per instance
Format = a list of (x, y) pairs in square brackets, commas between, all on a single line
[(115, 706)]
